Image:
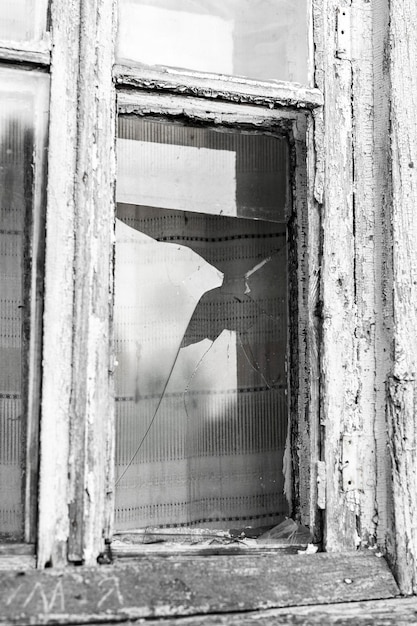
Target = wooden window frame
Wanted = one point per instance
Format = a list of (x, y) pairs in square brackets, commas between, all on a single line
[(78, 412), (296, 125), (345, 191)]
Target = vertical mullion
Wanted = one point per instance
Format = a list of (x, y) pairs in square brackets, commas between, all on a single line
[(77, 399)]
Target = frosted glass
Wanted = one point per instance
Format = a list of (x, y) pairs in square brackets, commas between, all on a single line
[(234, 174), (263, 39), (200, 334), (22, 20), (23, 115)]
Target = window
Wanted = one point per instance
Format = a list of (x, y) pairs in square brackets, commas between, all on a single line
[(211, 199), (334, 212), (23, 139)]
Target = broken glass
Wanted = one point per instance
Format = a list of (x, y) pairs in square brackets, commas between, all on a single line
[(201, 338), (23, 116), (262, 39)]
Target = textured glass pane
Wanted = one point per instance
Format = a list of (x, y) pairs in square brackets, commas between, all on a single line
[(23, 108), (22, 20), (201, 333), (233, 174), (264, 39)]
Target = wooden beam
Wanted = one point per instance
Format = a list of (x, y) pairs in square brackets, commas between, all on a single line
[(53, 528), (334, 187), (273, 94), (77, 417)]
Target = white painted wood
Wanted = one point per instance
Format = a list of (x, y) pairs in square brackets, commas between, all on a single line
[(334, 185), (402, 386), (77, 424), (383, 269), (217, 87), (365, 216), (53, 524)]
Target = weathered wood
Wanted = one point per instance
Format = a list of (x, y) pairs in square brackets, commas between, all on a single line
[(274, 94), (209, 111), (382, 612), (189, 586), (401, 388), (365, 215), (402, 431), (305, 418), (76, 455), (383, 266), (15, 549), (37, 53), (123, 550), (92, 400), (59, 288), (17, 562), (339, 376)]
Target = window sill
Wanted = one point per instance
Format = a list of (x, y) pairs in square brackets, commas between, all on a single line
[(185, 586)]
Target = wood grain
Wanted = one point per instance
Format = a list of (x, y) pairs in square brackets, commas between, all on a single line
[(273, 94), (77, 406), (402, 385), (190, 586), (338, 371), (382, 612)]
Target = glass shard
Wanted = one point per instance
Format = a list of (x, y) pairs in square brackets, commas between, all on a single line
[(262, 39)]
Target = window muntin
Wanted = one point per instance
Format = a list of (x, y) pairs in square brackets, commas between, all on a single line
[(23, 124), (200, 326), (23, 20), (262, 39)]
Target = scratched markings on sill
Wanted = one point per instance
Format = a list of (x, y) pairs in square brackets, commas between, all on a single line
[(190, 586)]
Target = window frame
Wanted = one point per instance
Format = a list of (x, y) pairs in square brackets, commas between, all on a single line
[(76, 473), (294, 124)]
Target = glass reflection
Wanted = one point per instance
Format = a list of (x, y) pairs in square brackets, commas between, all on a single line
[(263, 39)]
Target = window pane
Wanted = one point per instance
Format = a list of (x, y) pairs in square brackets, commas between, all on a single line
[(22, 20), (23, 110), (201, 328), (264, 39)]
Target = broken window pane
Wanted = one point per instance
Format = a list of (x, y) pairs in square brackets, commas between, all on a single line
[(23, 116), (22, 20), (200, 327), (263, 39)]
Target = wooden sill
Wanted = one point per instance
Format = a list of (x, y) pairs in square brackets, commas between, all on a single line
[(191, 587)]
